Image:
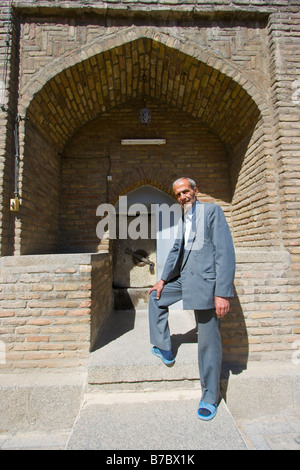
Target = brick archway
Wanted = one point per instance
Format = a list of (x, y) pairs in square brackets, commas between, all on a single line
[(121, 40), (227, 78), (142, 69)]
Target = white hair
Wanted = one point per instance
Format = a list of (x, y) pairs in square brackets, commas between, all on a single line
[(192, 182)]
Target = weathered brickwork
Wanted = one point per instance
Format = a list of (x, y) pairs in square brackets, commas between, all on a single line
[(222, 82), (263, 320), (98, 146), (284, 43), (46, 305), (9, 73)]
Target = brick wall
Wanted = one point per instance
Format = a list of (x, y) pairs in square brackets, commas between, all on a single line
[(191, 150), (52, 307), (37, 223), (285, 54), (146, 69), (9, 79), (220, 80), (262, 323)]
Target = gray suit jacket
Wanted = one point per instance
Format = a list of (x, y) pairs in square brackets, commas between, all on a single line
[(207, 264)]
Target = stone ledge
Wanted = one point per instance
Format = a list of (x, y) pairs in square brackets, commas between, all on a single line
[(40, 400), (163, 8), (257, 256), (51, 259), (242, 256)]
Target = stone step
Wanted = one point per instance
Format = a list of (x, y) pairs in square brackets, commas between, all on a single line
[(153, 420), (122, 355), (134, 401)]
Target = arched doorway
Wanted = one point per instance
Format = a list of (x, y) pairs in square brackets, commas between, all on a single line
[(145, 206), (151, 218)]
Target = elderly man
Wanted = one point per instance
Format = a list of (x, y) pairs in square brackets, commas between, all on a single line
[(199, 270)]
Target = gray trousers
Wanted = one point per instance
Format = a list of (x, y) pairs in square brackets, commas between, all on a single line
[(209, 338)]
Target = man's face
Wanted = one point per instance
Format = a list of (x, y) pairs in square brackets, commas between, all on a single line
[(185, 195)]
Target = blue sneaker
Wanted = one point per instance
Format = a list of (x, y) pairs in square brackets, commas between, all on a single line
[(165, 356)]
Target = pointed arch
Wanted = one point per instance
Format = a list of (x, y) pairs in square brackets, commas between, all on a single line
[(109, 76), (141, 65), (143, 183), (125, 37)]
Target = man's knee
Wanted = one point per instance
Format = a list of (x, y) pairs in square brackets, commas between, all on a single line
[(153, 299), (153, 295)]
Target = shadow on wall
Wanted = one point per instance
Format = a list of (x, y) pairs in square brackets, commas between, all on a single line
[(235, 343)]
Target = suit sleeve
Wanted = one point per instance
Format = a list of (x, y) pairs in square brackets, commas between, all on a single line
[(224, 252), (168, 271), (170, 261)]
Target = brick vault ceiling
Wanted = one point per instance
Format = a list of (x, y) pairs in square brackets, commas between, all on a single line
[(136, 70)]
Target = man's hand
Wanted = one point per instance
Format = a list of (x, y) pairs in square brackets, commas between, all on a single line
[(158, 287), (222, 306)]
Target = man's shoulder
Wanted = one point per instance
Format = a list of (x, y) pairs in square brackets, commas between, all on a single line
[(209, 207)]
